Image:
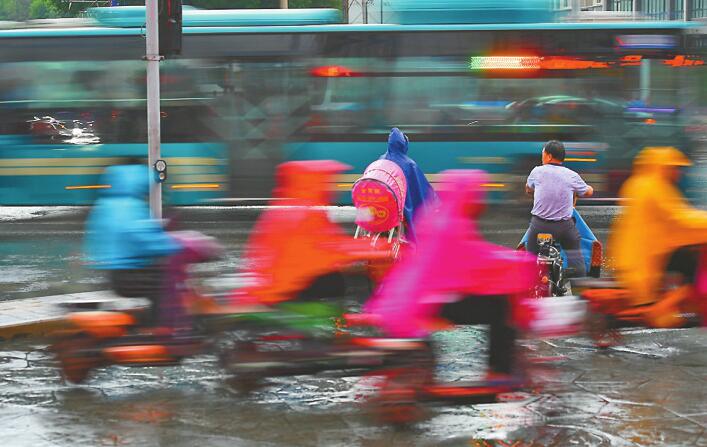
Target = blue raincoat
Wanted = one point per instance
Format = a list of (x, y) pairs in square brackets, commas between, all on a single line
[(120, 233), (419, 190)]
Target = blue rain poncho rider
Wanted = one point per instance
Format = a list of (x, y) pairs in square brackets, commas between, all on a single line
[(125, 241), (120, 233), (419, 190)]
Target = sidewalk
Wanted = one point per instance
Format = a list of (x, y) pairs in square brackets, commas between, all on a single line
[(40, 316)]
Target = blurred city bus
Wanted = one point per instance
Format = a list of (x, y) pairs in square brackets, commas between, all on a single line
[(254, 88)]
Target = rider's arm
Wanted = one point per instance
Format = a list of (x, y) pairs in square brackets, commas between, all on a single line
[(530, 183), (580, 188)]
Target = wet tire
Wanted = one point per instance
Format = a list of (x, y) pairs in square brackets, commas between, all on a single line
[(77, 357), (246, 384), (398, 402), (601, 331), (240, 352)]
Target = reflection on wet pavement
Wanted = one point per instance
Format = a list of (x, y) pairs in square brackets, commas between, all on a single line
[(650, 393)]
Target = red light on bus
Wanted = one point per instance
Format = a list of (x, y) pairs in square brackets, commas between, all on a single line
[(533, 63), (504, 63), (683, 61), (566, 63), (333, 71), (631, 60)]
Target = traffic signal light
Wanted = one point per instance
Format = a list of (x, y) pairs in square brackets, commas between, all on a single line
[(170, 18)]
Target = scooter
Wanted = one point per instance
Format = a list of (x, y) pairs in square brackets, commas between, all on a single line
[(411, 385), (306, 337), (97, 339), (552, 259), (611, 309)]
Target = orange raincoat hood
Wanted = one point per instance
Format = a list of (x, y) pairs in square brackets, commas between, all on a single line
[(655, 221)]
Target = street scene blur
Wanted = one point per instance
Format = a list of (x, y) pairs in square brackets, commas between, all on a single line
[(353, 222)]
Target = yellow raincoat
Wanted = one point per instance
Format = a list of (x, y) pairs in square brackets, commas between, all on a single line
[(656, 221)]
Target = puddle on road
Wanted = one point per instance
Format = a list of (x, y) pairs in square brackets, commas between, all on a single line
[(591, 398)]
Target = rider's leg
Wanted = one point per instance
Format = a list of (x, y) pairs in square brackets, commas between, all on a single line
[(145, 282), (537, 226), (492, 310), (329, 286), (570, 240)]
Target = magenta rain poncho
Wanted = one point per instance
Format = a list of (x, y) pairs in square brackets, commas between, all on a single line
[(452, 261)]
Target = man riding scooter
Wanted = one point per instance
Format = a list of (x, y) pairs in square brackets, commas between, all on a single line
[(655, 239), (554, 188)]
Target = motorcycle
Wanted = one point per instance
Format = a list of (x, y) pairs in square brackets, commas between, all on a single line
[(552, 259), (610, 307), (97, 339)]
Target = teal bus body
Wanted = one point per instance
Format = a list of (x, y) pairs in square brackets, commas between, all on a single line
[(71, 175), (253, 89)]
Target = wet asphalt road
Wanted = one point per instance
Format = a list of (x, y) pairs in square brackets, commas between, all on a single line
[(652, 391), (40, 248)]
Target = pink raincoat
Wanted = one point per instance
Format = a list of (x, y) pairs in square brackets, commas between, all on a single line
[(452, 261)]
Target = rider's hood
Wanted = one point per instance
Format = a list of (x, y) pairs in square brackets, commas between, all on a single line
[(462, 192), (126, 181), (308, 182), (397, 142), (658, 160)]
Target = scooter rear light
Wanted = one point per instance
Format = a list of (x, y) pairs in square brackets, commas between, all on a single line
[(521, 247), (353, 320), (595, 267)]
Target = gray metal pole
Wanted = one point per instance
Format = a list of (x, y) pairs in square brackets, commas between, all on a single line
[(686, 10), (153, 104), (283, 4), (645, 80)]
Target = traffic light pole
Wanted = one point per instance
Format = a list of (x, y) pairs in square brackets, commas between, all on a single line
[(153, 103)]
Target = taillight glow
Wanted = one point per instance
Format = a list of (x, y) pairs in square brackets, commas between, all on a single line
[(533, 63), (682, 61), (596, 254), (333, 71), (504, 63)]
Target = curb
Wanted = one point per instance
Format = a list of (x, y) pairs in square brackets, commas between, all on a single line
[(39, 317)]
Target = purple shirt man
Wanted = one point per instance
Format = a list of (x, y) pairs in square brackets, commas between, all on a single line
[(554, 189)]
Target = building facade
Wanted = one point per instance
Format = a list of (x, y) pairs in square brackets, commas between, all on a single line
[(650, 9), (377, 11)]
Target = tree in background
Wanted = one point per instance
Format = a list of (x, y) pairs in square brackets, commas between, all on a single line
[(60, 8), (18, 10)]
